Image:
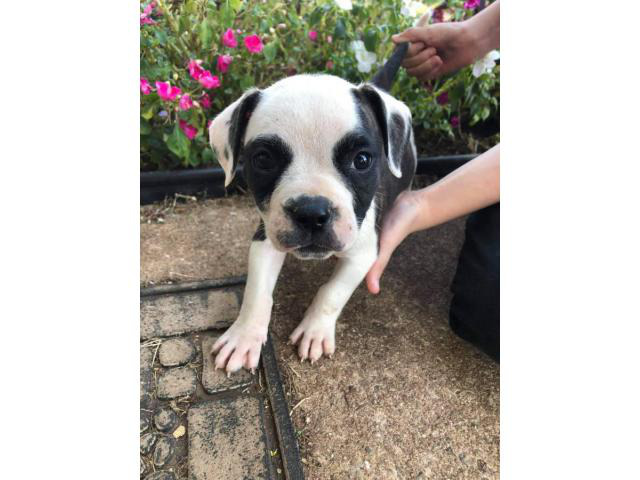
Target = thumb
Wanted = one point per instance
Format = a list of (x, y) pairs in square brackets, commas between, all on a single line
[(413, 34)]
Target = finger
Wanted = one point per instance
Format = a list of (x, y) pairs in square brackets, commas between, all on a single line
[(420, 58), (413, 34), (374, 274), (427, 69), (414, 49)]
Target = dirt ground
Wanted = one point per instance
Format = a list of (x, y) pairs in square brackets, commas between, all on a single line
[(403, 397)]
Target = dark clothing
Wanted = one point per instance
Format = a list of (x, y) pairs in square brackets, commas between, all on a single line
[(475, 307)]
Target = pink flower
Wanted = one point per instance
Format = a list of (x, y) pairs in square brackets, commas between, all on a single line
[(443, 98), (166, 91), (185, 102), (145, 88), (205, 100), (455, 121), (329, 39), (471, 4), (209, 81), (145, 16), (229, 39), (223, 63), (195, 70), (438, 15), (313, 35), (329, 65), (253, 43), (189, 130)]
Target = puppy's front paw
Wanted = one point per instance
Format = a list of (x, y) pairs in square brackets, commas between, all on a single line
[(239, 347), (316, 337)]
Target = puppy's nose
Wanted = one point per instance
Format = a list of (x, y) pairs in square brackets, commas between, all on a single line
[(310, 213)]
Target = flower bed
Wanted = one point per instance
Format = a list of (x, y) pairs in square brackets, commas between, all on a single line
[(198, 56)]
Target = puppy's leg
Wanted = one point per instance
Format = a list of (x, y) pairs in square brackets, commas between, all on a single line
[(240, 345), (316, 332)]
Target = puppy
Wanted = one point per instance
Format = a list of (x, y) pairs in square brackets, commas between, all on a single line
[(324, 159)]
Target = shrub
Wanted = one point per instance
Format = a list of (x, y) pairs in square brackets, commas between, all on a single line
[(198, 56)]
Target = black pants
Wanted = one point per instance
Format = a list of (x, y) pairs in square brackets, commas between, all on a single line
[(475, 307)]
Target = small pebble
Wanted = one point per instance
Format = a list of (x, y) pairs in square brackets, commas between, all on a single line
[(165, 419), (147, 441), (164, 450)]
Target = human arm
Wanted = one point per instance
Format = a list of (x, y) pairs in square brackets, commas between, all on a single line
[(471, 187), (443, 48)]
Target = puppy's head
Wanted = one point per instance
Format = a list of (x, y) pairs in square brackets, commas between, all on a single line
[(314, 149)]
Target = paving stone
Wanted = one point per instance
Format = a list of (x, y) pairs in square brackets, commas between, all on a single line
[(227, 440), (165, 447), (161, 476), (216, 380), (147, 441), (165, 419), (176, 351), (168, 315), (146, 372), (176, 382), (144, 423)]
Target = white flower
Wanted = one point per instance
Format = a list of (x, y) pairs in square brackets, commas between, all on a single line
[(344, 4), (365, 59), (413, 9), (486, 63)]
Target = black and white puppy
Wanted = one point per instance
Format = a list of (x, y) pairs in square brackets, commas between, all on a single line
[(324, 160)]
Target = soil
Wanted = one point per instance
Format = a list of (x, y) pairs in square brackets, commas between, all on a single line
[(403, 397)]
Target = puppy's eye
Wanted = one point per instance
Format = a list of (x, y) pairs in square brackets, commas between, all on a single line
[(362, 161), (263, 161)]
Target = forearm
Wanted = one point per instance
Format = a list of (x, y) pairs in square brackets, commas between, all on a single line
[(471, 187), (483, 30)]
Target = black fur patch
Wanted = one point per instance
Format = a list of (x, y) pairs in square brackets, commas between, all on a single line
[(238, 126), (260, 234), (262, 183)]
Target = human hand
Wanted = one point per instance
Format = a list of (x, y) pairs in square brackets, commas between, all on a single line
[(437, 50), (399, 222)]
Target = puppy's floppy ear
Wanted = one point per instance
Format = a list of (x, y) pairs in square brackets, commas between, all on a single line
[(394, 120), (226, 133)]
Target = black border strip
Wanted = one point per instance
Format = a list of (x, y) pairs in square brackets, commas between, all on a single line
[(193, 286), (156, 186), (284, 427)]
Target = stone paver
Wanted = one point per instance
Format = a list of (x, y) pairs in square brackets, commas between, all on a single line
[(176, 382), (147, 442), (168, 315), (176, 351), (146, 376), (227, 440), (216, 380)]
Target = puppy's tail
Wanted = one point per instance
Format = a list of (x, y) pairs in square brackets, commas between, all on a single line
[(385, 76)]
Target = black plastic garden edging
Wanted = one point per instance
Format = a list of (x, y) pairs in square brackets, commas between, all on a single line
[(156, 186)]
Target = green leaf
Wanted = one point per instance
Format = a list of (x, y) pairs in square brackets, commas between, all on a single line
[(341, 29), (207, 156), (206, 34), (145, 128), (371, 39), (315, 16), (270, 51), (227, 16), (246, 82), (236, 5), (147, 114), (178, 143)]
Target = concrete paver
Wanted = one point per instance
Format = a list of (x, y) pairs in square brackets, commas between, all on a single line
[(168, 315), (176, 382), (227, 440), (176, 352)]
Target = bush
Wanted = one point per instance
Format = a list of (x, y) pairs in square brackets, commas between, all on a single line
[(198, 56)]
